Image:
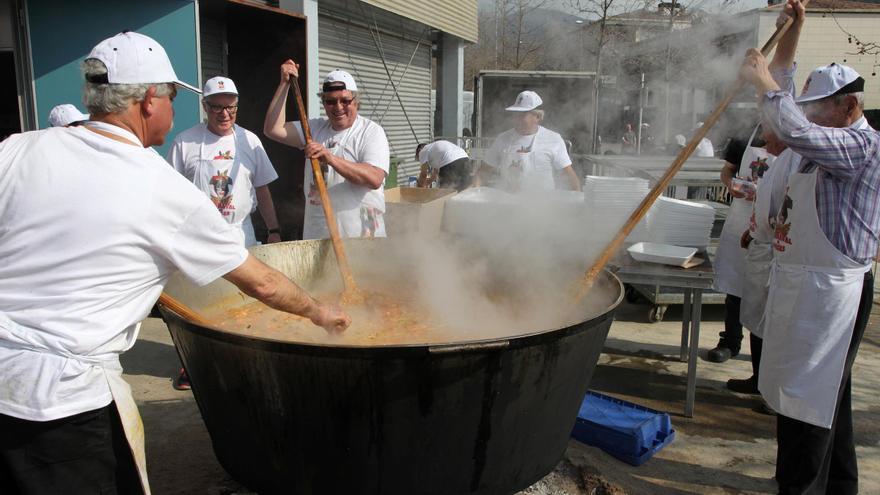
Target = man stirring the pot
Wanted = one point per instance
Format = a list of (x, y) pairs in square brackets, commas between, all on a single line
[(352, 148), (95, 221), (528, 156), (821, 284)]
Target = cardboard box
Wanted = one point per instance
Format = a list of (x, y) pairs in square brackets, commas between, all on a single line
[(409, 210)]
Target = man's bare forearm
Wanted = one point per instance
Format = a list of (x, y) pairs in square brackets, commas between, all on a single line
[(362, 174)]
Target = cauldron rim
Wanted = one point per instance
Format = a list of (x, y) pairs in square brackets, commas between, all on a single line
[(315, 348)]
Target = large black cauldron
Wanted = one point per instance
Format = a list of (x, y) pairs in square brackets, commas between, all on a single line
[(486, 417)]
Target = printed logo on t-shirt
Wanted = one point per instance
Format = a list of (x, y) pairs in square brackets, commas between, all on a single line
[(758, 167), (783, 226), (221, 193), (224, 155)]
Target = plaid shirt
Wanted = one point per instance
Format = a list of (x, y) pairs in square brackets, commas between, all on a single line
[(848, 182)]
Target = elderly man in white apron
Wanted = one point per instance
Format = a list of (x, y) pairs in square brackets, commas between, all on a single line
[(757, 241), (95, 221), (228, 163), (353, 152), (730, 258), (820, 283), (529, 156)]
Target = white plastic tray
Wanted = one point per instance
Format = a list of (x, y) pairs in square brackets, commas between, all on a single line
[(666, 254)]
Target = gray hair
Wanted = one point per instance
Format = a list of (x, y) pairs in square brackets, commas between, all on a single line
[(860, 98), (102, 98), (539, 113)]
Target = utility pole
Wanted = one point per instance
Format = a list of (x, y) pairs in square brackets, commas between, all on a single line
[(666, 76), (641, 113)]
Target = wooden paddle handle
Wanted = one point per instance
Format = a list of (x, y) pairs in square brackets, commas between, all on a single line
[(338, 248), (183, 310), (664, 181)]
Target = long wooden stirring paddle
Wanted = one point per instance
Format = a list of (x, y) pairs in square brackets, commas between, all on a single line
[(683, 155), (351, 291), (183, 310)]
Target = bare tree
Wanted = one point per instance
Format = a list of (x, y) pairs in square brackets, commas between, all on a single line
[(602, 11)]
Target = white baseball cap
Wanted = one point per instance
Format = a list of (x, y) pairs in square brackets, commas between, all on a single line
[(830, 80), (337, 80), (526, 102), (132, 58), (219, 86), (66, 114)]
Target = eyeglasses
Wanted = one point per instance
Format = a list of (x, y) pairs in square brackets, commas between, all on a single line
[(341, 101), (232, 109)]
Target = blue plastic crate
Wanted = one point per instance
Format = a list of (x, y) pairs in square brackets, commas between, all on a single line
[(627, 431)]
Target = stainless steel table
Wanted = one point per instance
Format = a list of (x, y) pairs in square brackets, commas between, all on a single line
[(694, 281)]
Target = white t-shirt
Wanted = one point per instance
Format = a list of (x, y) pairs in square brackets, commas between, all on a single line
[(90, 231), (529, 160), (440, 153), (209, 161), (705, 148), (363, 142)]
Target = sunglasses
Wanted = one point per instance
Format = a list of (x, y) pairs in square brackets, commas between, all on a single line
[(341, 101), (232, 109)]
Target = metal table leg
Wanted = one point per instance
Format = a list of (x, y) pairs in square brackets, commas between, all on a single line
[(685, 323), (692, 355)]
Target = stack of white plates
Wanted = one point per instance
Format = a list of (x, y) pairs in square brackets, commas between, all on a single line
[(681, 223), (609, 203)]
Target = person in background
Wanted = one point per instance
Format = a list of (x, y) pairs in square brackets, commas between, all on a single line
[(228, 163), (444, 163), (704, 148), (353, 149), (66, 115), (84, 263), (527, 156), (739, 157), (628, 141), (750, 248), (821, 285)]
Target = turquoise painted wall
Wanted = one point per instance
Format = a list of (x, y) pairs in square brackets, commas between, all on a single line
[(63, 33)]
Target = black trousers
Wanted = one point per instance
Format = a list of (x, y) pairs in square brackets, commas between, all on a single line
[(813, 460), (455, 175), (732, 335), (756, 344), (83, 454)]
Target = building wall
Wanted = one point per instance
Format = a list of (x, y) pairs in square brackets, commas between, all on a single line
[(823, 42), (349, 40), (457, 17)]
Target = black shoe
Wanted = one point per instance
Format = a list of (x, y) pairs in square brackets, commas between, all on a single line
[(747, 386), (764, 408), (722, 353)]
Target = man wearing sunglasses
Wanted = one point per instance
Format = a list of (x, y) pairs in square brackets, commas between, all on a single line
[(353, 152), (228, 163)]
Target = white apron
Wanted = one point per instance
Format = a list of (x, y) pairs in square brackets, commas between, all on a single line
[(352, 218), (756, 272), (109, 364), (522, 170), (730, 256), (238, 190), (811, 309)]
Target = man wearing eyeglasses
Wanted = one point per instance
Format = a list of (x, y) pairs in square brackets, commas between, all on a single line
[(228, 163), (353, 149)]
